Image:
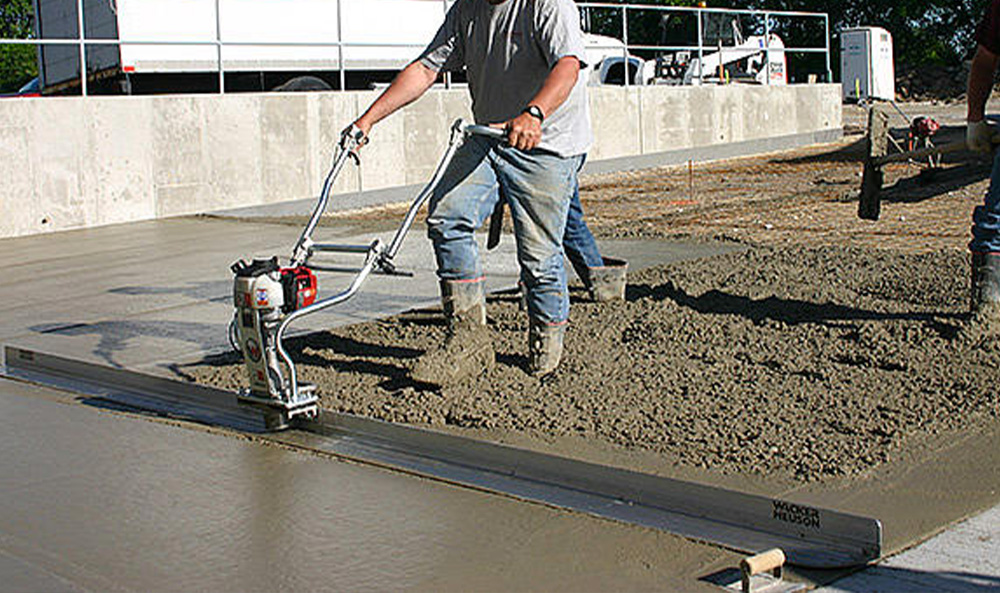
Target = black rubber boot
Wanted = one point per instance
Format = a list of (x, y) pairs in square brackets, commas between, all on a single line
[(607, 282), (545, 347), (467, 349), (985, 283)]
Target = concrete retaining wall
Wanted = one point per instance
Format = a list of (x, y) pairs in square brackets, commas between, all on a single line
[(70, 163)]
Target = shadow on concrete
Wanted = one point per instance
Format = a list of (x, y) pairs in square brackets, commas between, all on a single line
[(357, 357), (958, 169), (218, 360), (930, 183), (115, 337), (850, 153), (787, 311), (217, 291), (891, 578)]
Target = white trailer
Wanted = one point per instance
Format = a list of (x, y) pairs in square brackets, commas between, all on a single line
[(169, 39), (172, 45)]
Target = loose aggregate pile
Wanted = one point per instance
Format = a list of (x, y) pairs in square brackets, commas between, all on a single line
[(809, 363)]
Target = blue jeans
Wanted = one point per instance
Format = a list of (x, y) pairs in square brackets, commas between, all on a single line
[(538, 187), (578, 242), (986, 218)]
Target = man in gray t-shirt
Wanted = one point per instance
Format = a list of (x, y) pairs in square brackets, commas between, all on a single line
[(508, 49), (524, 61)]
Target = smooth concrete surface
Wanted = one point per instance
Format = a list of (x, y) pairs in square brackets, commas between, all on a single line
[(138, 294), (96, 500), (71, 163)]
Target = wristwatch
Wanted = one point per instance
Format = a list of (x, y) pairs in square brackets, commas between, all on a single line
[(535, 111)]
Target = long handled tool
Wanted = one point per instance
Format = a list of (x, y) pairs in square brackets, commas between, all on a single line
[(869, 203), (268, 297)]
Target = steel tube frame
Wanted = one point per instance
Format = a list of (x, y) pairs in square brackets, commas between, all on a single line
[(701, 48), (83, 48), (458, 131), (340, 47), (301, 250), (218, 47), (376, 255), (767, 47), (804, 50)]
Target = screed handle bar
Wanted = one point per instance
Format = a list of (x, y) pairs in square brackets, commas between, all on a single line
[(376, 253), (957, 146), (351, 139), (488, 131)]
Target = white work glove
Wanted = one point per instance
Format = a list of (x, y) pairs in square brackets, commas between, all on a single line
[(353, 134), (979, 136)]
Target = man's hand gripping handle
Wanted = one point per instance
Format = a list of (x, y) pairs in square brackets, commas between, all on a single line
[(352, 139)]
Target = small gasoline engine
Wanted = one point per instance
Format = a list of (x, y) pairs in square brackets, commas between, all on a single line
[(263, 294)]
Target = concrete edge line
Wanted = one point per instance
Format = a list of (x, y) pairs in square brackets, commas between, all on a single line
[(811, 537), (359, 200)]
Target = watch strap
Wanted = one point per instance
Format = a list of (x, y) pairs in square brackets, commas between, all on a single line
[(534, 111)]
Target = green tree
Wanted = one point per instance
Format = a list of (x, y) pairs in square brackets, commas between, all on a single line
[(18, 63), (924, 31)]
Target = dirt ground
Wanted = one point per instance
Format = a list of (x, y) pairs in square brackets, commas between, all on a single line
[(805, 197), (825, 347)]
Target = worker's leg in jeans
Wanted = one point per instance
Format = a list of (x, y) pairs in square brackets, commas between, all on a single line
[(458, 206), (986, 218), (603, 277), (985, 246), (578, 242), (538, 187)]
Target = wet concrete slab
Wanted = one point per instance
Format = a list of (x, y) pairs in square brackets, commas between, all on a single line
[(89, 491), (96, 499)]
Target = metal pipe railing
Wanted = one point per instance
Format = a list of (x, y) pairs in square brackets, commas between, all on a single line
[(82, 34), (220, 44), (701, 46), (826, 39), (699, 14), (767, 47)]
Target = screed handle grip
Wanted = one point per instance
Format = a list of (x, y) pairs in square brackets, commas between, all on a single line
[(488, 131), (763, 562)]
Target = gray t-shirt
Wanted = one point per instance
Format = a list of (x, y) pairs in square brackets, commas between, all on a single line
[(508, 50)]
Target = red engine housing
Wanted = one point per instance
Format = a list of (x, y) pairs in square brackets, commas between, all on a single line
[(924, 127), (299, 285)]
